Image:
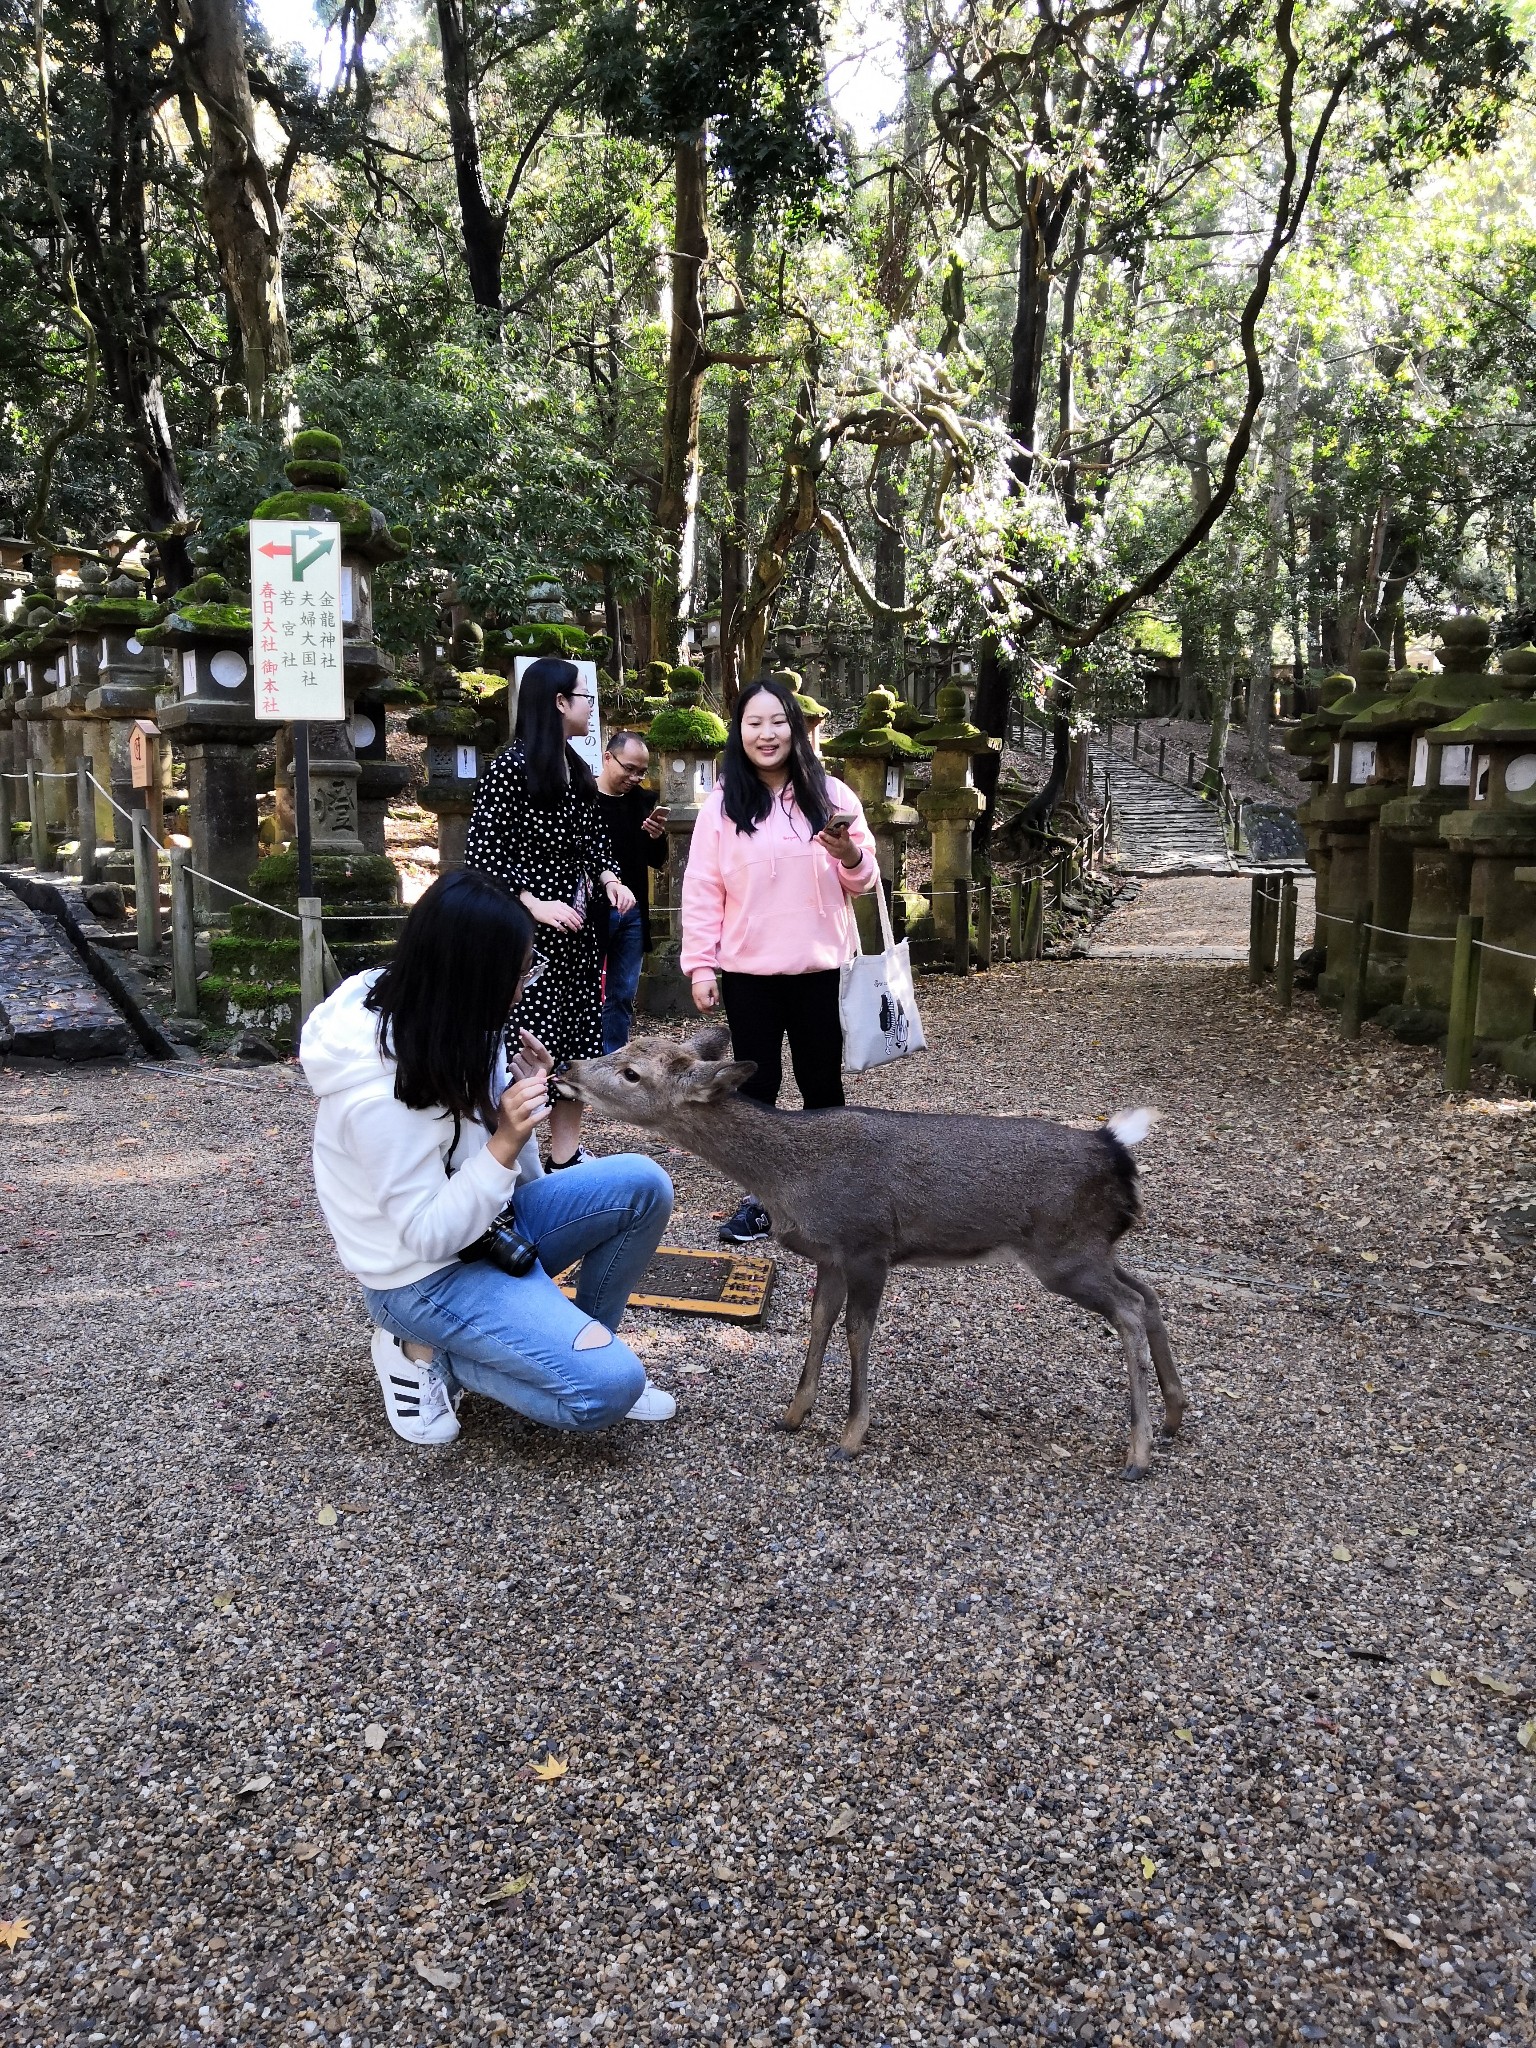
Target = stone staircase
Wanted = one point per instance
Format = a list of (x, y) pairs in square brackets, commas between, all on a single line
[(1162, 828), (50, 1003)]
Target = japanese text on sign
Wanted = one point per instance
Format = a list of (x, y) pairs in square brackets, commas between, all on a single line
[(296, 614)]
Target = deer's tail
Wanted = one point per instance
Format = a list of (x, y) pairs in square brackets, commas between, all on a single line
[(1127, 1127)]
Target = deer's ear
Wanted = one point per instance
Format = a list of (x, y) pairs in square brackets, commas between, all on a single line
[(712, 1042), (709, 1084)]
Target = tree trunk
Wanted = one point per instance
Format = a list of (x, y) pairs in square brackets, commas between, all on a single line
[(244, 218), (1194, 650), (1352, 586), (483, 229), (687, 361), (1224, 679), (1266, 602), (890, 663), (738, 469)]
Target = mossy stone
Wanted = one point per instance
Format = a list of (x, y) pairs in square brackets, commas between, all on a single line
[(318, 476), (689, 727), (314, 444)]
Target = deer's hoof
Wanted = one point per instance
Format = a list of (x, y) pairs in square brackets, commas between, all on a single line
[(1133, 1473), (789, 1423), (1173, 1417), (841, 1455)]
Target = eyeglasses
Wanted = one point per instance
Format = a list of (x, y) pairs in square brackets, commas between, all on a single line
[(628, 768), (536, 967), (580, 697)]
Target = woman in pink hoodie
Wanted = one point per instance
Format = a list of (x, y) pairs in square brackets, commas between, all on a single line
[(779, 850)]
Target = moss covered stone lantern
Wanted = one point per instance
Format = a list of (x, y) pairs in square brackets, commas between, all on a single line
[(1496, 831), (685, 741), (210, 715), (951, 804), (1345, 828), (1311, 746), (462, 731), (348, 794), (872, 759), (40, 647), (1409, 825)]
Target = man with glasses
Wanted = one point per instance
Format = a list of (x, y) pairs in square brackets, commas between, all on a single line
[(637, 827)]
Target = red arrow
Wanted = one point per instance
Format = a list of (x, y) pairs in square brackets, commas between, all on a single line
[(271, 548)]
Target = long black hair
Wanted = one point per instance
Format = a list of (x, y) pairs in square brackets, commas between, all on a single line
[(550, 762), (444, 999), (745, 798)]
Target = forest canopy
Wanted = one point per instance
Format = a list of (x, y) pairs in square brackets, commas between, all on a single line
[(1201, 325)]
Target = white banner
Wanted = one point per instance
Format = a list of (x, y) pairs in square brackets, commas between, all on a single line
[(296, 617)]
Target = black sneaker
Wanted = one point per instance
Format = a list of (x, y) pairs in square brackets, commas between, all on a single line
[(750, 1222)]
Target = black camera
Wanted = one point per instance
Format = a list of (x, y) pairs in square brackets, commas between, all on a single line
[(505, 1246)]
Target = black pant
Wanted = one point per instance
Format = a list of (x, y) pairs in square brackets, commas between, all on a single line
[(761, 1008)]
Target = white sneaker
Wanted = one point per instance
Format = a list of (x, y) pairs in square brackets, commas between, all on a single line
[(415, 1399), (653, 1406)]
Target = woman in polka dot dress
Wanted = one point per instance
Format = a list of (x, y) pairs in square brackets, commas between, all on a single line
[(538, 826)]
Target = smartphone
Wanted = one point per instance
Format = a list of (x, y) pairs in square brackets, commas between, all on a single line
[(839, 819)]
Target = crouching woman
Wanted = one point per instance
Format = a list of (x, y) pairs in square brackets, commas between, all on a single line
[(428, 1173)]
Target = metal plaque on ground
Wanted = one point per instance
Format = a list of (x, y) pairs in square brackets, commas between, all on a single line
[(698, 1284)]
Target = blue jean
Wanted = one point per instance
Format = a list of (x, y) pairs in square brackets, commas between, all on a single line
[(626, 952), (515, 1339)]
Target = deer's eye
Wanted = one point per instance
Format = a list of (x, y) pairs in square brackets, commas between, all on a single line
[(629, 1074)]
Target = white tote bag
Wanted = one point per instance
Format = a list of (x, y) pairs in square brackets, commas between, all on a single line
[(879, 1010)]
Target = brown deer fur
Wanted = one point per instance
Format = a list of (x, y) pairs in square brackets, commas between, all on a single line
[(858, 1191)]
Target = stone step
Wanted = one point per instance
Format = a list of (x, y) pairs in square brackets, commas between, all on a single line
[(49, 1004), (1163, 827)]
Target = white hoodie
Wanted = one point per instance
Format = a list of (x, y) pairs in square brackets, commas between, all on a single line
[(401, 1199)]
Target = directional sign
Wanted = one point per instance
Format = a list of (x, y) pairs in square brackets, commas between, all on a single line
[(296, 614)]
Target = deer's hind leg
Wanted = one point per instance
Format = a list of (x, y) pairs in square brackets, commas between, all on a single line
[(866, 1285), (1093, 1282), (826, 1307), (1175, 1394)]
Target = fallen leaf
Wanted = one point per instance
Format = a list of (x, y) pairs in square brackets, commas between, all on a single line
[(1210, 1852), (551, 1768), (1370, 1258), (373, 1735), (222, 1602), (623, 1602), (304, 1852), (1403, 1941), (327, 1517), (1458, 1470), (1517, 1587), (13, 1931), (1148, 1867), (1342, 1554), (255, 1785), (510, 1890), (840, 1823), (1185, 1734), (442, 1980), (1501, 1686), (1409, 1529), (1439, 1677), (1525, 1735), (1401, 1450)]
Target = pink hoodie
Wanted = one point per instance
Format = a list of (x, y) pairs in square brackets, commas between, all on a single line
[(771, 901)]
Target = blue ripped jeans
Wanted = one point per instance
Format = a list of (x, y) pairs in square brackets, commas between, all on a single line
[(515, 1340)]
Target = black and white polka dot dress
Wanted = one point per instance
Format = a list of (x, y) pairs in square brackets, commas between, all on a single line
[(549, 850)]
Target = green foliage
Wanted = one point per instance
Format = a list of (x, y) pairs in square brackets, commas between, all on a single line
[(689, 727)]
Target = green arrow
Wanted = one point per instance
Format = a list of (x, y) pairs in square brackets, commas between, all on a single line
[(303, 560)]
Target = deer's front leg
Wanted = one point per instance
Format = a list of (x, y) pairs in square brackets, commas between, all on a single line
[(826, 1307), (866, 1285)]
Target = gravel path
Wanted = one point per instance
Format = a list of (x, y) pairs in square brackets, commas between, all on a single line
[(967, 1742)]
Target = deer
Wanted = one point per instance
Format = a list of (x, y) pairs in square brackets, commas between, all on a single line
[(858, 1191)]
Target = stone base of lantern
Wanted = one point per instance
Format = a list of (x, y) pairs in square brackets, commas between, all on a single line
[(1506, 1008), (253, 977), (454, 808), (379, 785)]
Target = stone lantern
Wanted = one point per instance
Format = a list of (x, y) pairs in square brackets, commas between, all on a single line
[(40, 648), (1496, 830), (951, 804), (348, 797), (872, 759), (1311, 744), (212, 719), (1410, 823), (1388, 727), (462, 732), (129, 669), (685, 741), (1346, 827)]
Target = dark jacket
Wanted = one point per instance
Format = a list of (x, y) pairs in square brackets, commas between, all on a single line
[(635, 852)]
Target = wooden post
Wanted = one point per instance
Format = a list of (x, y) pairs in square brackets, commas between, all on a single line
[(1267, 937), (87, 821), (1463, 1021), (1285, 943), (1256, 932), (1016, 921), (962, 925), (1162, 753), (1189, 773), (984, 924), (1136, 741), (5, 820), (1034, 918), (311, 957), (38, 822), (146, 885), (183, 936), (1354, 995)]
